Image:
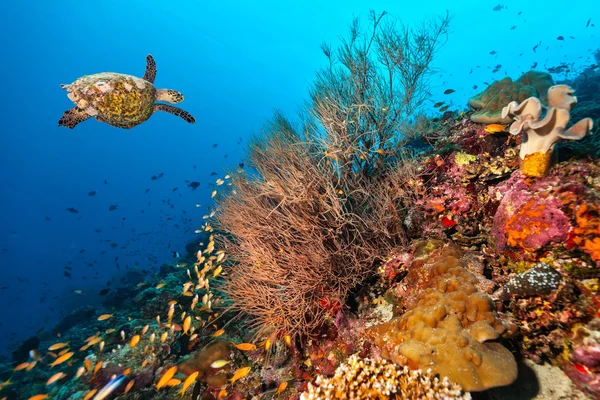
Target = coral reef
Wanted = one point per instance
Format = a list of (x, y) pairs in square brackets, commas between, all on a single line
[(583, 366), (560, 208), (489, 103), (354, 263), (541, 134), (450, 325), (363, 379), (529, 221)]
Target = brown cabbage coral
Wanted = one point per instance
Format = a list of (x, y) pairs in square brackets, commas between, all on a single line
[(541, 134), (450, 325), (379, 379), (490, 102)]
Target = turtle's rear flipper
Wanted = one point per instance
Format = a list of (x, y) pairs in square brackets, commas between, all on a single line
[(72, 117), (175, 111)]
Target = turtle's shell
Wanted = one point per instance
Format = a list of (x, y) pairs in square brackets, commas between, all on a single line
[(117, 99)]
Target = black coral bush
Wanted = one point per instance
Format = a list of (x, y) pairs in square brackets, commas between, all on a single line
[(325, 201)]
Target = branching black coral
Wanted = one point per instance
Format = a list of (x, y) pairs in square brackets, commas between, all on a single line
[(326, 200)]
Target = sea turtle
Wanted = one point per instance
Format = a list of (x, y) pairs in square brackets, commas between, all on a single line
[(120, 100)]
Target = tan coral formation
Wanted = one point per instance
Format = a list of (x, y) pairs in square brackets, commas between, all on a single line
[(489, 103), (363, 379), (540, 135), (201, 362), (450, 325)]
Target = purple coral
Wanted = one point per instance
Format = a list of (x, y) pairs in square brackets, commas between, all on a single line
[(528, 216), (539, 280), (587, 354)]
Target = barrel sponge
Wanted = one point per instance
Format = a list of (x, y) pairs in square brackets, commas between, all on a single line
[(489, 103), (449, 327)]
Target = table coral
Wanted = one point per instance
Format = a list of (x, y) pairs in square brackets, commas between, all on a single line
[(362, 379), (449, 324), (490, 102)]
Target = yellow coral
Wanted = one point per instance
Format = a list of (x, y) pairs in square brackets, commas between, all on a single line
[(462, 159), (449, 327)]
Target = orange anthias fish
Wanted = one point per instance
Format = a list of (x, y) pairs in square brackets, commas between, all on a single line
[(21, 366), (62, 359), (55, 377), (97, 367), (218, 333), (89, 395), (39, 397), (188, 382), (134, 341), (494, 128), (129, 386), (239, 374), (244, 346), (58, 346), (173, 382), (281, 388), (186, 324), (166, 377)]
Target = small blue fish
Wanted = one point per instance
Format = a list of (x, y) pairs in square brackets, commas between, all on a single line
[(109, 387)]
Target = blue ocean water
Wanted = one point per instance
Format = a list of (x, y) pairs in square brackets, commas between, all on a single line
[(235, 62)]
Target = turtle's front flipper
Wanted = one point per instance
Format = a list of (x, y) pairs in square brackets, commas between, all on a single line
[(175, 111), (72, 117), (150, 73)]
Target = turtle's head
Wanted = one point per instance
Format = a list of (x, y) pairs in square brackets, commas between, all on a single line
[(169, 95)]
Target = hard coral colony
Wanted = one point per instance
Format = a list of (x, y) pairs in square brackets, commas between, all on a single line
[(345, 268)]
